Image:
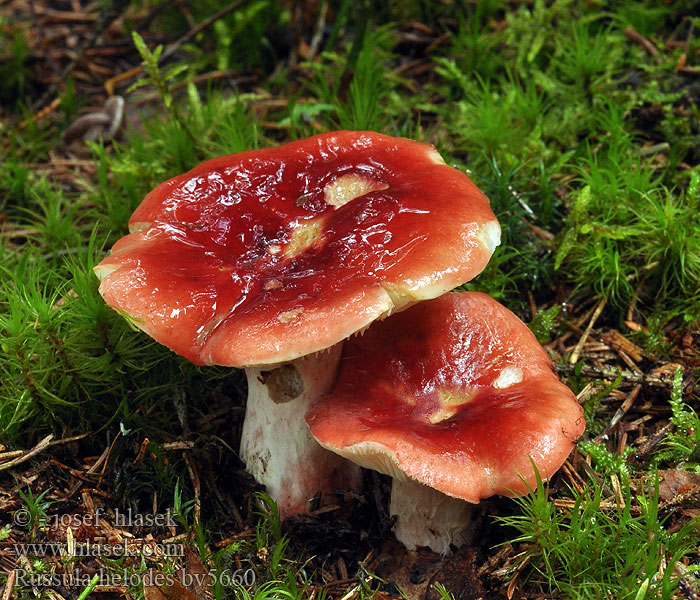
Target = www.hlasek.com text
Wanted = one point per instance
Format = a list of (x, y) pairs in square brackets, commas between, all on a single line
[(88, 549)]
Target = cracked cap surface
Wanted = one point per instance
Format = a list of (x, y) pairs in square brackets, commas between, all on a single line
[(264, 256)]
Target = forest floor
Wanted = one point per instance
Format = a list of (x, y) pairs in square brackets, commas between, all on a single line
[(579, 120)]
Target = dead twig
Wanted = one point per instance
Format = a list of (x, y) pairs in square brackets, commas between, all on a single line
[(614, 373), (109, 13), (635, 36), (101, 461), (42, 445), (626, 405), (318, 32), (9, 585), (174, 47), (573, 359), (194, 478)]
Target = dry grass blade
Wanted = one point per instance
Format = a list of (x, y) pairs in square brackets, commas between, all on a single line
[(573, 359)]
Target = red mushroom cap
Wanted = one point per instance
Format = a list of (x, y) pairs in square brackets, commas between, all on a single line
[(264, 256), (455, 393)]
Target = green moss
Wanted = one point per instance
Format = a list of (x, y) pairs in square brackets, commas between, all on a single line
[(548, 107)]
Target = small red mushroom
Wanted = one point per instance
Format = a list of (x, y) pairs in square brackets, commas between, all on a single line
[(455, 399), (272, 256)]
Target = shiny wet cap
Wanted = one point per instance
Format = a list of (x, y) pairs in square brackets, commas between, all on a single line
[(455, 393), (264, 256)]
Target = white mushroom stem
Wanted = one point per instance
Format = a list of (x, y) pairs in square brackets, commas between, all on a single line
[(276, 445), (426, 517)]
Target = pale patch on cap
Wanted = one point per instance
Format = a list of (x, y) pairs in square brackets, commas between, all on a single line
[(348, 187), (490, 235), (508, 376)]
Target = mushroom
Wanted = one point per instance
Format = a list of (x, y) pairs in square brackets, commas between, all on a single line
[(456, 400), (268, 259), (104, 124)]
